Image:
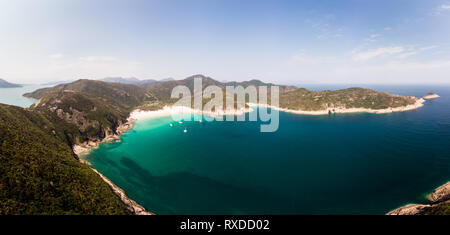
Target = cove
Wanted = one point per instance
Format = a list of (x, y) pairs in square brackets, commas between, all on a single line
[(333, 164)]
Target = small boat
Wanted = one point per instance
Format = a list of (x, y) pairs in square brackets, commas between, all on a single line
[(171, 125), (185, 130), (180, 122)]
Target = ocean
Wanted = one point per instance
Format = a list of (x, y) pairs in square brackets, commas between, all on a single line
[(334, 164), (13, 96)]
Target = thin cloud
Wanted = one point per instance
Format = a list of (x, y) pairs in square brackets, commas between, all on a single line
[(370, 54), (407, 54), (372, 38), (427, 48), (98, 58), (442, 8), (56, 56)]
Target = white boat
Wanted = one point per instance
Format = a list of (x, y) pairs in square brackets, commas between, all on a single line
[(171, 125), (180, 122), (185, 130)]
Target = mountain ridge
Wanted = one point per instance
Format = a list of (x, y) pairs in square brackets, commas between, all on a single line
[(6, 84)]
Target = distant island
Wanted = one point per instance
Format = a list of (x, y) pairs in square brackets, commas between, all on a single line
[(70, 118), (430, 96), (5, 84)]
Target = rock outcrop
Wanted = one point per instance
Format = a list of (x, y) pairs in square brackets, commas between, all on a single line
[(431, 96), (135, 208), (440, 194), (410, 209), (438, 197)]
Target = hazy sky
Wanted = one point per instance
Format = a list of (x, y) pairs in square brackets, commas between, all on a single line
[(359, 41)]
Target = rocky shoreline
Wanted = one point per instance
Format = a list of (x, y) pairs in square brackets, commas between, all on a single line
[(438, 197), (85, 147), (135, 208)]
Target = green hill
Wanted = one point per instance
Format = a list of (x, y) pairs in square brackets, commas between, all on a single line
[(162, 90), (89, 110), (39, 173), (123, 96), (303, 99), (298, 98)]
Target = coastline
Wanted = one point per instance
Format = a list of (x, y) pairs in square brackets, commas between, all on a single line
[(175, 110), (135, 208), (138, 114), (84, 148), (439, 196), (419, 103)]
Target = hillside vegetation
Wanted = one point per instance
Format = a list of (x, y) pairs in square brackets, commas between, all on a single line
[(39, 173), (89, 110), (303, 99), (122, 96), (162, 90), (443, 209)]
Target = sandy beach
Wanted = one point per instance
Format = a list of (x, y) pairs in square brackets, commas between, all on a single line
[(176, 110), (84, 148)]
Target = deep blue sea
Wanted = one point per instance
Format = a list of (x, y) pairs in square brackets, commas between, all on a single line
[(339, 164)]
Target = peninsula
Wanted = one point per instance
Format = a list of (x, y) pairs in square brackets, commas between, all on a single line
[(351, 100)]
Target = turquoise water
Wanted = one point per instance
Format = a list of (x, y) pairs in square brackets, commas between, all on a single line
[(13, 96), (340, 164)]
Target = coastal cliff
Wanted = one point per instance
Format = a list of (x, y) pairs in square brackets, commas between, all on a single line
[(440, 204)]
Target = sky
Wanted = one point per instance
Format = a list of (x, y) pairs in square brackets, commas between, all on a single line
[(289, 42)]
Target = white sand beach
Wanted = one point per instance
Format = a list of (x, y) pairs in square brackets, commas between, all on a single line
[(176, 110)]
